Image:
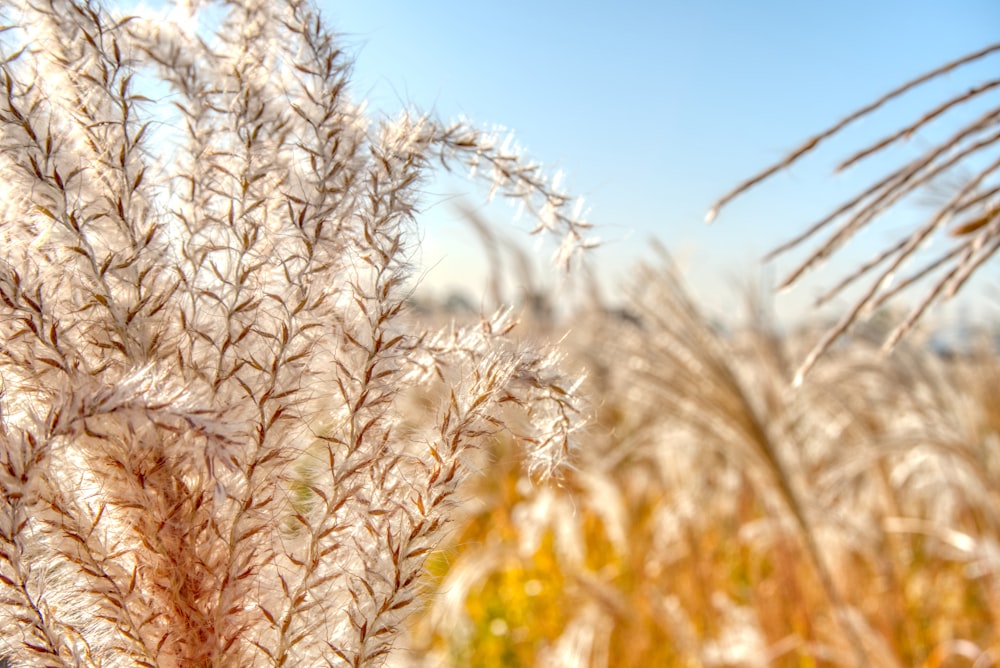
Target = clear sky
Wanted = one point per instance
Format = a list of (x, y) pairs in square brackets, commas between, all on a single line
[(654, 109)]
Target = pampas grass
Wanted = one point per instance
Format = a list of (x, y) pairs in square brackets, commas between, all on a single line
[(715, 516), (971, 209), (207, 456), (226, 441)]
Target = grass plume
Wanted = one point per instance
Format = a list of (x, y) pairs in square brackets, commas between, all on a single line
[(204, 457)]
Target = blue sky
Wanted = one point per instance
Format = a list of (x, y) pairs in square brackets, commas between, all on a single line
[(654, 109)]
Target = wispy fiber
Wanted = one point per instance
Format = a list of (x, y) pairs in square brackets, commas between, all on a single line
[(204, 347)]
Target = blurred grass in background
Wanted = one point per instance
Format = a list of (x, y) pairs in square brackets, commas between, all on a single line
[(714, 516)]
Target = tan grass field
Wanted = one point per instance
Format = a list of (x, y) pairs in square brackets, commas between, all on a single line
[(715, 516), (229, 439)]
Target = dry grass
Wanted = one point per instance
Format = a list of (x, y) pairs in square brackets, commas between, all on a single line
[(714, 516), (207, 451), (225, 442), (971, 208)]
